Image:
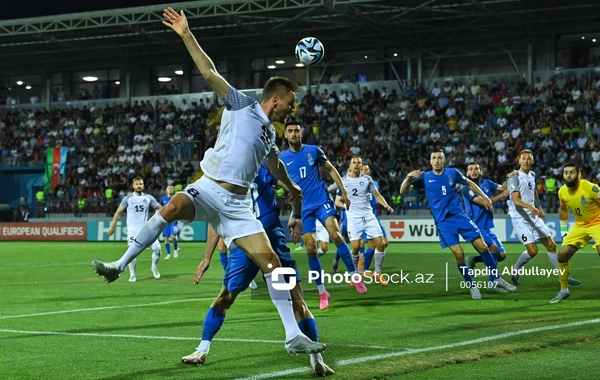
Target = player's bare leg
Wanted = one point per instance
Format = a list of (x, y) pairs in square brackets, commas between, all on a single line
[(315, 265), (333, 228), (491, 262), (459, 255), (379, 256), (564, 268)]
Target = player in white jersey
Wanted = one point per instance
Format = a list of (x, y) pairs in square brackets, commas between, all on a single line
[(360, 215), (322, 239), (137, 205), (527, 216), (220, 197)]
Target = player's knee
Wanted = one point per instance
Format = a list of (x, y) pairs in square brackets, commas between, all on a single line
[(501, 256), (552, 247), (170, 211), (532, 250)]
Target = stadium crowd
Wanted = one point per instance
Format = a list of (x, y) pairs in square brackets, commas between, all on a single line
[(394, 133)]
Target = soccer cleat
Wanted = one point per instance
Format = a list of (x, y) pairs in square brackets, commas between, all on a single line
[(253, 285), (335, 264), (167, 257), (514, 277), (501, 283), (321, 369), (496, 290), (359, 286), (324, 300), (301, 344), (475, 293), (574, 282), (321, 253), (110, 271), (132, 279), (471, 262), (377, 276), (197, 357), (298, 248), (560, 296), (176, 253), (155, 273), (361, 263)]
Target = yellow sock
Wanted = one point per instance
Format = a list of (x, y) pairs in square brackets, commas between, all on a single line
[(563, 274)]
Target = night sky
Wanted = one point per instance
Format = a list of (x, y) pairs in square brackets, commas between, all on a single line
[(15, 9)]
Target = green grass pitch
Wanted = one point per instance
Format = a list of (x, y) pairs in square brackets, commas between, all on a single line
[(59, 321)]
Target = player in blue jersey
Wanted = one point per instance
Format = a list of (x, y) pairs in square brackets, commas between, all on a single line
[(367, 255), (440, 187), (170, 232), (483, 218), (242, 270), (302, 163)]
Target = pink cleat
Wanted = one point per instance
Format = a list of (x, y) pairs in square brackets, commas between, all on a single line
[(324, 300), (359, 286)]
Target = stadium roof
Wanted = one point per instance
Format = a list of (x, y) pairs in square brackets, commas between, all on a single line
[(260, 28)]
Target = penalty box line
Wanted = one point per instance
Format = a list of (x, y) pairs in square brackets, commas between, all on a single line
[(364, 359)]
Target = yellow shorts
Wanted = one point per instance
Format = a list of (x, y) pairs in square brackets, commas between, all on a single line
[(580, 236)]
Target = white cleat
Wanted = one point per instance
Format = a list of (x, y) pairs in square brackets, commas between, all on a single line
[(176, 253), (132, 279), (195, 358), (475, 293), (253, 285), (155, 273), (298, 248), (501, 283), (321, 369), (301, 344), (167, 257)]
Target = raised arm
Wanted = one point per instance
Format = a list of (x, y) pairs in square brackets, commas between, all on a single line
[(178, 22), (335, 175), (407, 183)]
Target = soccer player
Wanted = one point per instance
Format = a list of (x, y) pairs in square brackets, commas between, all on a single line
[(370, 251), (444, 199), (360, 215), (483, 218), (302, 163), (220, 196), (583, 199), (527, 216), (137, 205), (170, 232), (241, 270)]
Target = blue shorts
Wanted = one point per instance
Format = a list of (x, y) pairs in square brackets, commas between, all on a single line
[(364, 234), (310, 216), (242, 270), (490, 239), (170, 230), (450, 228), (344, 228)]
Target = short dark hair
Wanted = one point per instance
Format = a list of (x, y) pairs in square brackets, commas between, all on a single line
[(473, 163), (293, 122), (571, 165), (278, 86)]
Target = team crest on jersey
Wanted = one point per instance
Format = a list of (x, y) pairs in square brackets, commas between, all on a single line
[(595, 189), (583, 201), (311, 160), (450, 181), (145, 201), (361, 183)]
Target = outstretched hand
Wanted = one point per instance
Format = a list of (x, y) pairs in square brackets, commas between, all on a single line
[(176, 21), (203, 267)]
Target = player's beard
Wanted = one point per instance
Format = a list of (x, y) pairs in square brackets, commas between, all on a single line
[(574, 184), (476, 180)]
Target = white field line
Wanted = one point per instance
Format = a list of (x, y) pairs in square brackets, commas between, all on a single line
[(364, 359), (129, 336)]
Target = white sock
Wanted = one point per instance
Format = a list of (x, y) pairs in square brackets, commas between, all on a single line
[(132, 268), (355, 261), (319, 251), (553, 256), (155, 258), (204, 346), (321, 288), (282, 300), (315, 358), (523, 259), (379, 256), (143, 240)]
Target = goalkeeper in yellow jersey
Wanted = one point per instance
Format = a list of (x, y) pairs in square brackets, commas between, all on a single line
[(583, 199)]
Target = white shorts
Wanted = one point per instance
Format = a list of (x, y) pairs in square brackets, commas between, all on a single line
[(367, 224), (230, 214), (131, 236), (530, 231), (322, 234)]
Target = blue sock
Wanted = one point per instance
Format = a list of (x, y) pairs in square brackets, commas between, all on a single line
[(175, 245), (464, 271), (368, 255), (309, 328), (168, 248), (315, 265), (344, 252), (224, 259), (491, 263), (337, 256), (477, 259), (212, 323)]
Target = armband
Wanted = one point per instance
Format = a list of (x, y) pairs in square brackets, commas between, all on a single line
[(296, 216)]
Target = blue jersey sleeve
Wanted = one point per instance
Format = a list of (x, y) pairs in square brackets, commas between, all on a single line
[(459, 177), (418, 183), (493, 185), (270, 178), (468, 193), (321, 157)]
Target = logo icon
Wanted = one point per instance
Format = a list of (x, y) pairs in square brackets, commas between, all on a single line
[(289, 163), (278, 278)]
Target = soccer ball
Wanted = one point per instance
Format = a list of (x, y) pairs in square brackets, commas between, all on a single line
[(309, 51)]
